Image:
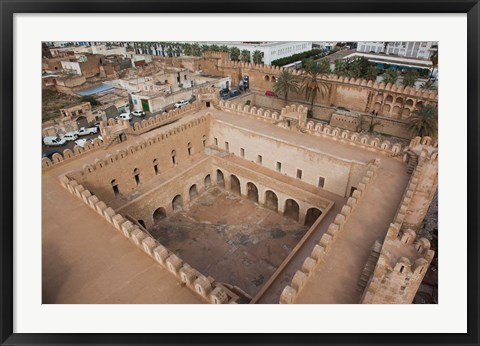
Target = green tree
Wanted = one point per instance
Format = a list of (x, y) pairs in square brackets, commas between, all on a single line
[(428, 85), (187, 49), (257, 57), (196, 50), (245, 55), (214, 48), (286, 83), (410, 78), (424, 122), (390, 76), (341, 68), (312, 85), (224, 48), (371, 73), (234, 54), (204, 48), (324, 66)]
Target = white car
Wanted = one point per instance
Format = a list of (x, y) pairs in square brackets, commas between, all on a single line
[(81, 142), (181, 103), (125, 116), (87, 131), (54, 141), (138, 113), (70, 136)]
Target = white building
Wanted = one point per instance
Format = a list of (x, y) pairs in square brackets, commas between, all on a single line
[(418, 50), (271, 50)]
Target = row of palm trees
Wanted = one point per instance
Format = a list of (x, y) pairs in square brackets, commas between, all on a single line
[(423, 122)]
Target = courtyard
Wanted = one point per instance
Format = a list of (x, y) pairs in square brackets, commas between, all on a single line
[(230, 238)]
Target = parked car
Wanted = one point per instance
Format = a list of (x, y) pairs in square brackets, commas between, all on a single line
[(125, 116), (87, 131), (50, 153), (224, 93), (270, 93), (138, 113), (234, 93), (81, 142), (54, 141), (181, 103), (70, 136)]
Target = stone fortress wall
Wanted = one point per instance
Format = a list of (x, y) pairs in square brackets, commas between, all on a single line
[(205, 287), (403, 259)]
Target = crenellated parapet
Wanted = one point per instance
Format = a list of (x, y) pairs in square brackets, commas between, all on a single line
[(206, 287), (138, 147), (247, 110), (317, 257), (69, 155)]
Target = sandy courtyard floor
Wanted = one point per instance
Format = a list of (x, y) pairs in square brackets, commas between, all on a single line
[(230, 238)]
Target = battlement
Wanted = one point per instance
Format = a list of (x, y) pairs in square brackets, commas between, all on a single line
[(333, 78), (139, 146), (206, 287), (321, 250), (69, 155), (224, 56)]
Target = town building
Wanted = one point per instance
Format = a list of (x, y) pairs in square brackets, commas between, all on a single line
[(409, 49)]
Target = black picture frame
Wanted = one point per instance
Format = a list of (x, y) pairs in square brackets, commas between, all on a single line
[(9, 8)]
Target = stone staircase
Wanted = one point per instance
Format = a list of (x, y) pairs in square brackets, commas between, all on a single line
[(412, 161), (369, 266)]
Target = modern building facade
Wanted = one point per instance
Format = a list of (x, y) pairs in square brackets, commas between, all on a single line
[(419, 50)]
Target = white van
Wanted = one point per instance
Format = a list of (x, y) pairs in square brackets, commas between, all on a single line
[(125, 116), (54, 141), (70, 136)]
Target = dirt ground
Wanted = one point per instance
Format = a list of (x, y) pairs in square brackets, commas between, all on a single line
[(52, 101), (229, 238)]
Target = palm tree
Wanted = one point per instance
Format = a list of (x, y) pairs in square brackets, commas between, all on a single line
[(371, 73), (324, 66), (234, 53), (410, 78), (311, 84), (196, 49), (341, 68), (285, 84), (424, 122), (257, 57), (245, 56), (390, 77), (187, 49), (428, 85)]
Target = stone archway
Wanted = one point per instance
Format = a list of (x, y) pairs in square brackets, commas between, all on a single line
[(207, 182), (159, 214), (312, 215), (292, 210), (220, 179), (177, 202), (235, 185), (271, 201), (252, 192), (193, 191)]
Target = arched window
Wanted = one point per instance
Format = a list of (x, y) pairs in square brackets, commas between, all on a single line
[(136, 175), (174, 156), (155, 166), (189, 148), (115, 187)]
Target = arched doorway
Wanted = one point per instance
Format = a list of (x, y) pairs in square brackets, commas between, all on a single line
[(207, 182), (291, 209), (142, 223), (271, 201), (235, 185), (159, 215), (312, 216), (220, 179), (252, 192), (177, 202), (136, 176), (82, 122), (193, 191)]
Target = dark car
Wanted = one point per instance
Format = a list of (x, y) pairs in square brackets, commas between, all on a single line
[(50, 153), (224, 93), (234, 93)]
